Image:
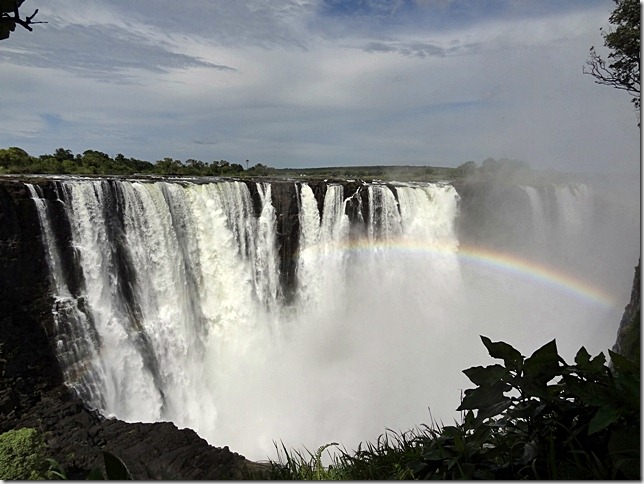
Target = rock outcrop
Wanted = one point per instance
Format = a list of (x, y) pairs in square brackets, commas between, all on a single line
[(630, 329)]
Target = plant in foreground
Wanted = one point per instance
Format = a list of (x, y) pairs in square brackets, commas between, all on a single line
[(528, 418), (541, 418), (23, 455)]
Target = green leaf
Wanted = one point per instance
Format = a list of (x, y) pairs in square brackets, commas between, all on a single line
[(494, 410), (511, 357), (586, 364), (483, 375), (622, 364), (544, 362), (624, 441), (115, 469), (590, 393), (459, 443), (605, 416), (582, 358), (628, 388), (598, 362), (483, 397), (95, 475)]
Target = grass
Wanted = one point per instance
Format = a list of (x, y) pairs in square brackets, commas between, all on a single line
[(389, 457)]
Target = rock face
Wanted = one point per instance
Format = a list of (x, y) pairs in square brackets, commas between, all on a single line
[(32, 392), (76, 436), (285, 200), (629, 332)]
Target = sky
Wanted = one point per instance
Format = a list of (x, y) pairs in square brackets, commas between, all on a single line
[(312, 83)]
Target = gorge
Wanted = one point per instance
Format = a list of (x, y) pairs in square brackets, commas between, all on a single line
[(254, 312)]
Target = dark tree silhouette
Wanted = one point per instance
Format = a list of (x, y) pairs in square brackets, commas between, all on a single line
[(10, 17), (622, 69)]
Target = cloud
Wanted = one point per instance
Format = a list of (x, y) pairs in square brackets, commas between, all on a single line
[(103, 53), (203, 142), (97, 43), (420, 49), (271, 82)]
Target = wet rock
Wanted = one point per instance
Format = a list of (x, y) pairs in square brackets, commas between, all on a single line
[(32, 390), (629, 333)]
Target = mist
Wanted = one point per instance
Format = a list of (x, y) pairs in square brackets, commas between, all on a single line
[(387, 311), (387, 347)]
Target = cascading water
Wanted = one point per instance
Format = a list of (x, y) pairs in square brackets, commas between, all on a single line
[(181, 315), (570, 206)]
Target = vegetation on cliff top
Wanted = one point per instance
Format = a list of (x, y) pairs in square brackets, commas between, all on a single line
[(16, 161)]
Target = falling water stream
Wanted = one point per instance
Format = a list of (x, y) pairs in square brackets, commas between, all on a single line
[(180, 314)]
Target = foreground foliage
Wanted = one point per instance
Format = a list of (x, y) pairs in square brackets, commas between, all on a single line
[(528, 418), (23, 455)]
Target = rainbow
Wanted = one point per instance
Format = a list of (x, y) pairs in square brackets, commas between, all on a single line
[(540, 273), (495, 260)]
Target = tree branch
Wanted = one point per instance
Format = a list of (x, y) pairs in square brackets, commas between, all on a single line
[(605, 76), (10, 21)]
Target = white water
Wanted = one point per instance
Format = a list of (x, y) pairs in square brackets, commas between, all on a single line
[(196, 330)]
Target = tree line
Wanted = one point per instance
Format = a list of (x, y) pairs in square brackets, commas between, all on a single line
[(17, 161)]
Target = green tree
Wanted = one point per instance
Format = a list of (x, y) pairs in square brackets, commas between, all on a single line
[(61, 154), (623, 72), (622, 69), (169, 166), (542, 418), (259, 169), (14, 157), (95, 159)]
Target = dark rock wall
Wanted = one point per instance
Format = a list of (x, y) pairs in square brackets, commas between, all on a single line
[(284, 197), (76, 436), (28, 365), (32, 393), (630, 328)]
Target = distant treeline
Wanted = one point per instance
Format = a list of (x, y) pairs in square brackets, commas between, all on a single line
[(17, 161)]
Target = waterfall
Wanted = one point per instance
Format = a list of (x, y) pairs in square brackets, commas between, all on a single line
[(77, 342), (323, 239), (575, 209), (540, 209), (562, 221), (180, 312)]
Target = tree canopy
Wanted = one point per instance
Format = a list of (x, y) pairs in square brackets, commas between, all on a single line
[(15, 160), (622, 69)]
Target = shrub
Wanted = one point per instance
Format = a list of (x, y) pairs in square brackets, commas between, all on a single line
[(541, 418), (23, 455)]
